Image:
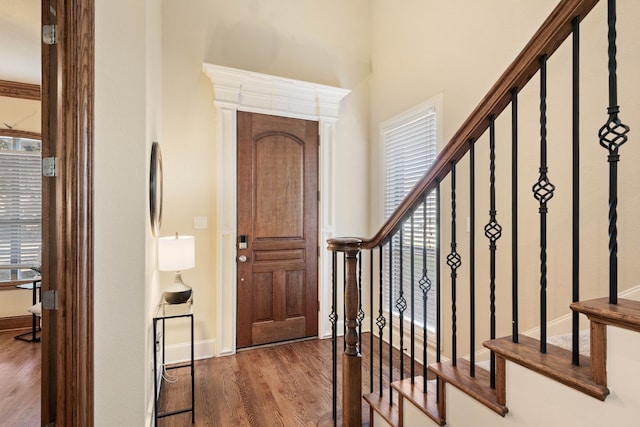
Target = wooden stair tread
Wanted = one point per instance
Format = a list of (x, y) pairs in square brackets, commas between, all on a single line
[(477, 387), (381, 405), (625, 314), (555, 363), (426, 402)]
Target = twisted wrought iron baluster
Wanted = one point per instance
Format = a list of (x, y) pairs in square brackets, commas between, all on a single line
[(453, 261), (371, 321), (493, 231), (439, 383), (543, 192), (344, 307), (425, 287), (412, 298), (381, 321), (360, 315), (401, 302), (390, 320), (612, 135), (333, 318)]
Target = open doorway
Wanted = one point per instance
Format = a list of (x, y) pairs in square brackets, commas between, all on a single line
[(20, 211), (20, 249)]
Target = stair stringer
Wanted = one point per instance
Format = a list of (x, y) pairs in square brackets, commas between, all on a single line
[(535, 400)]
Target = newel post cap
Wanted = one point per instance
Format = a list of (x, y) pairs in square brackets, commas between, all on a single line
[(344, 244)]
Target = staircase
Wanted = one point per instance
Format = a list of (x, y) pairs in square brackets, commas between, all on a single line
[(520, 379), (528, 381)]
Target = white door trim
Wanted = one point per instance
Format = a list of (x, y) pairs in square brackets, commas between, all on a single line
[(240, 90)]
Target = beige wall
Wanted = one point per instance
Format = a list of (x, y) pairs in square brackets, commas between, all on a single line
[(14, 302), (420, 49), (302, 40), (458, 49), (20, 114)]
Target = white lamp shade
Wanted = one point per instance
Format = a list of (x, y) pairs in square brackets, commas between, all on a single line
[(176, 253)]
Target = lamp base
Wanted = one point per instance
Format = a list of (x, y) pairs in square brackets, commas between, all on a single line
[(178, 292)]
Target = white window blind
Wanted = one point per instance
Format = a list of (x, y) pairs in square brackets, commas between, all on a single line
[(20, 207), (409, 150)]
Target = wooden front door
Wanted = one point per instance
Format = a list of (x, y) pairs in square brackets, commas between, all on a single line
[(277, 267)]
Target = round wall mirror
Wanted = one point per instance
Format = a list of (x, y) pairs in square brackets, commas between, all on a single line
[(155, 189)]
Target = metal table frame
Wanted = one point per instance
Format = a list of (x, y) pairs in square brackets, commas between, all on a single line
[(163, 313), (35, 326)]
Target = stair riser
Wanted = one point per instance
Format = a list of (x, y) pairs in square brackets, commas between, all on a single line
[(378, 421), (415, 417)]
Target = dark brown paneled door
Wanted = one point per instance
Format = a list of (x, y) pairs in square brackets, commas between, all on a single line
[(277, 271)]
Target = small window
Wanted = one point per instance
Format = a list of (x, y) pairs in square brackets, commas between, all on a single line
[(20, 207), (409, 147)]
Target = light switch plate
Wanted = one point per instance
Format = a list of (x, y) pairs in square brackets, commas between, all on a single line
[(200, 222)]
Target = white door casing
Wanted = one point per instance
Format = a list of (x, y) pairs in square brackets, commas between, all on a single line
[(241, 90)]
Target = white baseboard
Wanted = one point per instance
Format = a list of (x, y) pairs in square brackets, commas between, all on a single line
[(179, 353), (149, 418), (340, 328)]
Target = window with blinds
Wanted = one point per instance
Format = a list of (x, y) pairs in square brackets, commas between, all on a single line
[(20, 207), (409, 149)]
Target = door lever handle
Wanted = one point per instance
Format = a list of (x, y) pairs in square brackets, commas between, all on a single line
[(242, 258)]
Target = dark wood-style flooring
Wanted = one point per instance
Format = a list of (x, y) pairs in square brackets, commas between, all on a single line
[(19, 381), (284, 385)]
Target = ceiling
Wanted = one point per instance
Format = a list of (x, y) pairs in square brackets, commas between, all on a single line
[(20, 40)]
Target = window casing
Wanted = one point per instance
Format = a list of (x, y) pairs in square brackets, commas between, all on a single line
[(20, 207), (409, 148)]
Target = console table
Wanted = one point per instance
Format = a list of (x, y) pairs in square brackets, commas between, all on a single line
[(164, 313)]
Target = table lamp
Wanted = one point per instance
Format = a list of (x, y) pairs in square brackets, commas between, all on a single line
[(176, 253)]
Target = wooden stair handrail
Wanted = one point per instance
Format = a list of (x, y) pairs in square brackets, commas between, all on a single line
[(555, 29)]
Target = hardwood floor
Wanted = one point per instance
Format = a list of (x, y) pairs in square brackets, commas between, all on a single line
[(20, 389), (285, 385)]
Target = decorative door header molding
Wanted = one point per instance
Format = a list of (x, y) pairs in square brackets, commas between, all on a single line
[(251, 91)]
